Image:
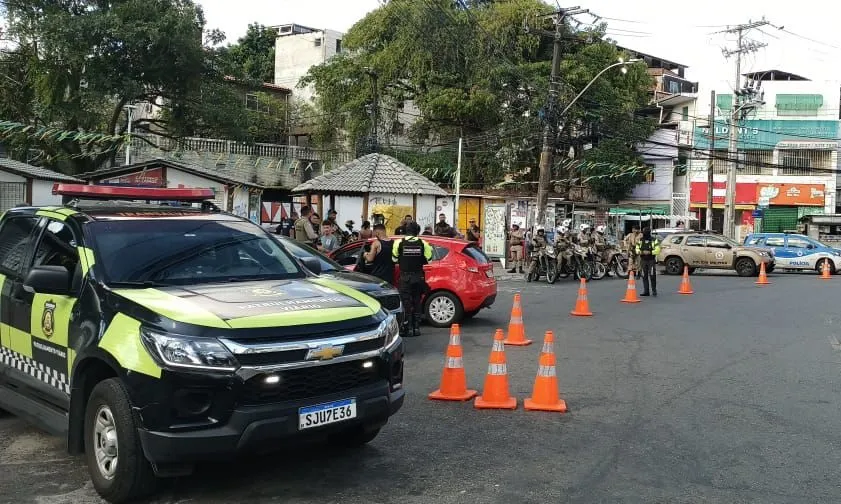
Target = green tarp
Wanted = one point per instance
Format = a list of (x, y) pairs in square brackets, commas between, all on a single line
[(644, 210)]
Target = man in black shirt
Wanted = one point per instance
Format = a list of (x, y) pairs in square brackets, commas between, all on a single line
[(377, 256), (401, 229)]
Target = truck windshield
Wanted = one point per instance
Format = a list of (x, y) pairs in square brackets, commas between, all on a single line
[(184, 252)]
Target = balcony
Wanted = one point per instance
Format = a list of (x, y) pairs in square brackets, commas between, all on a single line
[(673, 91)]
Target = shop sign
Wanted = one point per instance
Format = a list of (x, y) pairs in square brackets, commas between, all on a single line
[(746, 194), (764, 134), (793, 194), (145, 178)]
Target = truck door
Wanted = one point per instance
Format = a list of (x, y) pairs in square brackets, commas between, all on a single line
[(719, 252)]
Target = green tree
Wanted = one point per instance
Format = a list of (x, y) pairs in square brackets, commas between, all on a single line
[(473, 72), (252, 57), (76, 64)]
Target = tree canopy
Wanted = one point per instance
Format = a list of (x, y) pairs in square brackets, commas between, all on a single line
[(472, 71), (76, 64)]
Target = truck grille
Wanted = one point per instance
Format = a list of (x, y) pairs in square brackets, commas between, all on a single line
[(271, 358), (305, 383)]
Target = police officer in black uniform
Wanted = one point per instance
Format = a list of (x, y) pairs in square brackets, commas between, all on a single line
[(410, 254)]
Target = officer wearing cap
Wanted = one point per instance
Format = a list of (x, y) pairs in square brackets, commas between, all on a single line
[(411, 254)]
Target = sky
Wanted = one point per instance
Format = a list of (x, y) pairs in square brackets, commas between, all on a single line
[(678, 31)]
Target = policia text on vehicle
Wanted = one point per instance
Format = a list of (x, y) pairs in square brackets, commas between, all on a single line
[(153, 337)]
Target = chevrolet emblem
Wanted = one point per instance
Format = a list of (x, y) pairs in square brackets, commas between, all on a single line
[(325, 352)]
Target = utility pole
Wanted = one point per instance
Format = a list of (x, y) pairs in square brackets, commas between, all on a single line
[(737, 112), (550, 119), (457, 183), (710, 163), (129, 120)]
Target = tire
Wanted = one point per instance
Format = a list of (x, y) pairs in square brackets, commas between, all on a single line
[(620, 268), (443, 309), (599, 270), (745, 267), (585, 272), (353, 438), (129, 475), (674, 265), (551, 272), (819, 266)]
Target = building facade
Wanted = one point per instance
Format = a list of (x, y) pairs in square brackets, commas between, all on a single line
[(299, 48), (787, 154)]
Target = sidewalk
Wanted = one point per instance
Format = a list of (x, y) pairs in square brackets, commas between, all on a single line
[(502, 274)]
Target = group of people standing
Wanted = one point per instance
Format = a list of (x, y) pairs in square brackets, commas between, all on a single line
[(325, 236)]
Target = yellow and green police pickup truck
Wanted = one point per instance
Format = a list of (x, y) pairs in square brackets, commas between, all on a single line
[(159, 334)]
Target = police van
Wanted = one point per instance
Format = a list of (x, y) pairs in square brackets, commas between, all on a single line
[(155, 335), (798, 252)]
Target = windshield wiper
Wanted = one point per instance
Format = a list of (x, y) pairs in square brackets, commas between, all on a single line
[(143, 284)]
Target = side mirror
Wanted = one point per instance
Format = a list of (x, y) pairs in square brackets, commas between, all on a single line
[(312, 264), (48, 280)]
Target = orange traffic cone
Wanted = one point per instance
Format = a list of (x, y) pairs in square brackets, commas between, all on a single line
[(763, 277), (495, 395), (685, 286), (516, 329), (825, 275), (631, 295), (453, 379), (582, 305), (545, 396)]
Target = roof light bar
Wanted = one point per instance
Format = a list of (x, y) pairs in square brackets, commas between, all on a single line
[(132, 193)]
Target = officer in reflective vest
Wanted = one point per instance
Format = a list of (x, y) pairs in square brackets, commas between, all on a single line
[(410, 254), (648, 247)]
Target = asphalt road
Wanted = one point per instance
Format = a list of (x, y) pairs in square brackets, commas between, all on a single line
[(727, 396)]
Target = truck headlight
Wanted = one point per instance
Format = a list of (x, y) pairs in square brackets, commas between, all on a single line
[(188, 352), (763, 254), (390, 330)]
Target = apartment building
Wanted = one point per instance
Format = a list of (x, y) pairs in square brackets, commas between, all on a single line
[(787, 153)]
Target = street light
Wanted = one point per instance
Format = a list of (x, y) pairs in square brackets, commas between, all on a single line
[(624, 64)]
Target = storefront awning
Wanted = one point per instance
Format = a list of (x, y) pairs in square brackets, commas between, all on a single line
[(642, 210)]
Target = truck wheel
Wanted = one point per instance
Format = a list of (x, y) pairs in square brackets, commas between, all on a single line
[(118, 469), (674, 265), (745, 267), (353, 438)]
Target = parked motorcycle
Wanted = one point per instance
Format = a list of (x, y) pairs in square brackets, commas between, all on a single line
[(617, 261), (541, 263), (578, 265), (598, 267)]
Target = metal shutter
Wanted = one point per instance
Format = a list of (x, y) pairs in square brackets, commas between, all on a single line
[(779, 219)]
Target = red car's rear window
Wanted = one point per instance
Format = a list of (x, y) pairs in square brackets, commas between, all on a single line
[(477, 254)]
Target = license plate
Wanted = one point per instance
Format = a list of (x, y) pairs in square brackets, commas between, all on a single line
[(327, 413)]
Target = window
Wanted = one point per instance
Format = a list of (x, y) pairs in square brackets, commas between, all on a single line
[(187, 252), (439, 253), (348, 256), (754, 241), (798, 243), (684, 114), (14, 243), (774, 241), (302, 251), (252, 102), (717, 243), (649, 173), (694, 241), (477, 254), (318, 42), (57, 247), (338, 46), (677, 240)]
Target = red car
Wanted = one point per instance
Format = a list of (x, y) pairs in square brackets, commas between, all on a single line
[(460, 277)]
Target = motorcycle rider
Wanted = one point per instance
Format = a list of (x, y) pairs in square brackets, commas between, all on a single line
[(631, 241), (563, 245), (600, 243), (538, 245), (583, 239)]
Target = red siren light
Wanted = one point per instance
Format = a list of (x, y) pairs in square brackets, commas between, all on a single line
[(132, 193)]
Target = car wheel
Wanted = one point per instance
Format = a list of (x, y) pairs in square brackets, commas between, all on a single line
[(471, 313), (353, 438), (674, 265), (443, 309), (819, 266), (746, 267), (118, 469)]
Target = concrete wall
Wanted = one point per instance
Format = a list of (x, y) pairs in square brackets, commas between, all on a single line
[(177, 178), (10, 177), (296, 54), (662, 157), (42, 193), (349, 208)]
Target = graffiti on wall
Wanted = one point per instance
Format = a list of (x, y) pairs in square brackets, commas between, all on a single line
[(383, 200), (494, 230)]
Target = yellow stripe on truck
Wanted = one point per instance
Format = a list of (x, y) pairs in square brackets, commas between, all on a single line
[(19, 341), (86, 259), (301, 317), (368, 301), (3, 336), (173, 307), (122, 341)]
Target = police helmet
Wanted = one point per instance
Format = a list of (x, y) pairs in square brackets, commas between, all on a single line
[(566, 223), (584, 227), (563, 229), (600, 229), (539, 229)]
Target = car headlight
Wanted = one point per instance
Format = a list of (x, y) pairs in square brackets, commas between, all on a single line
[(188, 352), (390, 329), (763, 254)]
